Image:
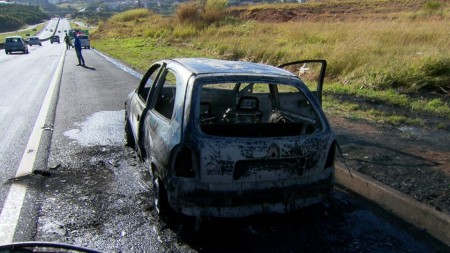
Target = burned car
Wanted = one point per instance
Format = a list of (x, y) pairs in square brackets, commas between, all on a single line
[(231, 138)]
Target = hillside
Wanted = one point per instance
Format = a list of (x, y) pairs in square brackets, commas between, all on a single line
[(14, 16), (332, 11)]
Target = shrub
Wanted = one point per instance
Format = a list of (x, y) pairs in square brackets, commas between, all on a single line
[(16, 15), (201, 13), (214, 10), (10, 23), (131, 15), (188, 13), (432, 6)]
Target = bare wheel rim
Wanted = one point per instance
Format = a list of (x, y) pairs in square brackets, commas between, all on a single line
[(156, 195)]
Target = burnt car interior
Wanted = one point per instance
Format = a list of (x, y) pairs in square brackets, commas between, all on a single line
[(256, 109)]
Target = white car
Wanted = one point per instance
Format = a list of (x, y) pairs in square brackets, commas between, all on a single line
[(34, 41), (85, 42)]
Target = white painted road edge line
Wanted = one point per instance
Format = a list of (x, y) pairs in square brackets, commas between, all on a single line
[(10, 214)]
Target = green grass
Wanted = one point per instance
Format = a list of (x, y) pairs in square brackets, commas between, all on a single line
[(131, 15), (74, 25), (142, 53), (22, 33), (360, 102)]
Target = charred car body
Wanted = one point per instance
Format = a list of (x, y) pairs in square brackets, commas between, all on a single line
[(231, 139)]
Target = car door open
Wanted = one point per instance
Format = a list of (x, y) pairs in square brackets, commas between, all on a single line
[(312, 72)]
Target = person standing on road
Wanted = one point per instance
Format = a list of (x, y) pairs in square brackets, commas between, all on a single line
[(67, 40), (77, 46)]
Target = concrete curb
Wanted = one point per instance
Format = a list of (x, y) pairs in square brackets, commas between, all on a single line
[(422, 216)]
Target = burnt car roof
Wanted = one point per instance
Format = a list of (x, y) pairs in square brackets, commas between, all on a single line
[(214, 66)]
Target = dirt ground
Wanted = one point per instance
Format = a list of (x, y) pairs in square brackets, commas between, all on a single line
[(413, 160), (331, 11)]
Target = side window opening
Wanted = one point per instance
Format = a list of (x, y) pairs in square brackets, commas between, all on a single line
[(165, 102), (256, 109), (144, 90)]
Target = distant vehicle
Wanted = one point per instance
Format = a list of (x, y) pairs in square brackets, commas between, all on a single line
[(73, 32), (232, 138), (51, 30), (34, 41), (85, 41), (54, 38), (14, 44)]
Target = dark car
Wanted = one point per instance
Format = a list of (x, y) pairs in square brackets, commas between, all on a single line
[(230, 138), (14, 44), (54, 38)]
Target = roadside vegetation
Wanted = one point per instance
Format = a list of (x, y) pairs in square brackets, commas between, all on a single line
[(388, 61), (15, 16), (25, 33)]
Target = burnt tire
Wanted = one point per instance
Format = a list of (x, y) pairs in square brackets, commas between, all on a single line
[(129, 139), (160, 202)]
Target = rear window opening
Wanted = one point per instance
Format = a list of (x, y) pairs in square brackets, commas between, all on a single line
[(255, 110), (13, 40)]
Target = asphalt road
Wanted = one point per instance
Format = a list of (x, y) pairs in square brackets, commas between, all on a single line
[(95, 192), (24, 81), (24, 84)]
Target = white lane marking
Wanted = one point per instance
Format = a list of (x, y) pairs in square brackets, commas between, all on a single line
[(10, 214)]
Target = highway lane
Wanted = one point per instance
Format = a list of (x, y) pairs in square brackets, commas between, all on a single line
[(24, 81), (55, 26)]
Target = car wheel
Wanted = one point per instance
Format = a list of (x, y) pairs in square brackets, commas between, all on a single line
[(129, 139), (160, 202)]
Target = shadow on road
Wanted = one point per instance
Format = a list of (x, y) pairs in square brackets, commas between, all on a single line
[(87, 67)]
